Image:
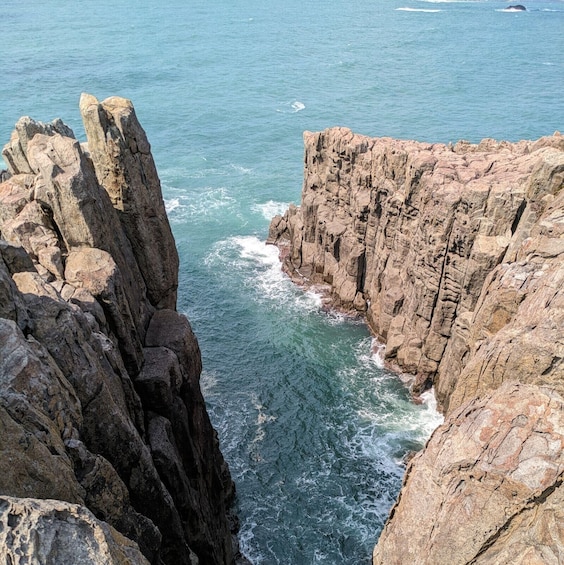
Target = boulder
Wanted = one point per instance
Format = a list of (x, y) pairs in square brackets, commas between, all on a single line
[(52, 531)]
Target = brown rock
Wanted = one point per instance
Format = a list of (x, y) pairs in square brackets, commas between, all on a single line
[(125, 167), (487, 487), (413, 234), (87, 414), (456, 255)]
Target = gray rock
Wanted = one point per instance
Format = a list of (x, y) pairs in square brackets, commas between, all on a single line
[(88, 413), (52, 531)]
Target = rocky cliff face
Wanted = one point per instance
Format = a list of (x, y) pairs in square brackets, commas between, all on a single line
[(100, 404), (454, 254)]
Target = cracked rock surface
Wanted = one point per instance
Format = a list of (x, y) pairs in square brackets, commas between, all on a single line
[(455, 255), (487, 487), (100, 404)]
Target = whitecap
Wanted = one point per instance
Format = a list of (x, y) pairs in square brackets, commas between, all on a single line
[(260, 267), (208, 383), (208, 202), (270, 209), (432, 418), (171, 204), (297, 106), (417, 10), (291, 107), (378, 353), (241, 169)]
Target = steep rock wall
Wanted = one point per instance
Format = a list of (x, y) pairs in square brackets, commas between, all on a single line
[(100, 404), (438, 245), (455, 255)]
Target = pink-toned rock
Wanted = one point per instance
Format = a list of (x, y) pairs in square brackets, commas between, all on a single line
[(487, 487), (455, 254), (412, 233)]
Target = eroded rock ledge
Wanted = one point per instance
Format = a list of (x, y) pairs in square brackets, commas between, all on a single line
[(455, 256), (100, 403)]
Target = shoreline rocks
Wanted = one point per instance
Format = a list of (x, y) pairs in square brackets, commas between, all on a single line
[(454, 254), (100, 404)]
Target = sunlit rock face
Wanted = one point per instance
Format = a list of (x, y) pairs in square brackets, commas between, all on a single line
[(452, 252), (100, 404), (455, 256)]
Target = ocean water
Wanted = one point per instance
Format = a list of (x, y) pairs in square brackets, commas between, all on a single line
[(313, 427)]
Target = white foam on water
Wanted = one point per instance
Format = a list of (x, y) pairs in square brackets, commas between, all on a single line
[(254, 249), (261, 269), (297, 106), (335, 318), (291, 107), (240, 169), (246, 537), (171, 204), (378, 352), (204, 204), (270, 209), (432, 417), (261, 420), (417, 10), (208, 383)]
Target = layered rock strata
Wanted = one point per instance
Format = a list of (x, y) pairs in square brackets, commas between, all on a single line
[(455, 256), (100, 404)]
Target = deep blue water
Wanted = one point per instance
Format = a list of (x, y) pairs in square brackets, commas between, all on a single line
[(311, 425)]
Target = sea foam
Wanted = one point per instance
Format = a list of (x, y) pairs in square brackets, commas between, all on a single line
[(406, 9), (270, 209)]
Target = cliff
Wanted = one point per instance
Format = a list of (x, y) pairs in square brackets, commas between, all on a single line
[(107, 454), (454, 255)]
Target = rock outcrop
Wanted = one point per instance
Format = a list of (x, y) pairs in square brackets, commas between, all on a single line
[(100, 404), (487, 487), (455, 256), (52, 531)]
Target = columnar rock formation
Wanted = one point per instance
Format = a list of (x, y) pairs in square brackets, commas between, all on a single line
[(100, 404), (454, 254)]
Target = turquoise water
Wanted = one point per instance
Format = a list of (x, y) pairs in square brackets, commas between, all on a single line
[(311, 425)]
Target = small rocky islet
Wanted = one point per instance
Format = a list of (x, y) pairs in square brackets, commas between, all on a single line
[(453, 253)]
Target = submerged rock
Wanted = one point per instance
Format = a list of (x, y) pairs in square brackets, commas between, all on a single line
[(88, 335)]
